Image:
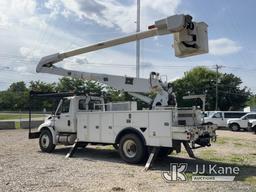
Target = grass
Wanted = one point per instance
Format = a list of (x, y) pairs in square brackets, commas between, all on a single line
[(245, 161), (251, 180), (17, 124), (237, 159), (10, 116)]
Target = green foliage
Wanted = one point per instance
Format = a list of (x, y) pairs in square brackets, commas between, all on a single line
[(251, 101), (18, 87), (201, 80), (67, 84), (40, 86)]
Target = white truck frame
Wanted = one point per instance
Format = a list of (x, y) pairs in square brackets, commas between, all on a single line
[(134, 132)]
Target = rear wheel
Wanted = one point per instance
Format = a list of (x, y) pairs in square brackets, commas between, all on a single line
[(46, 141), (131, 149), (234, 127)]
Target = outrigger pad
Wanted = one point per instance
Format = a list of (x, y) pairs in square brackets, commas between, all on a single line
[(72, 150), (188, 149), (151, 158)]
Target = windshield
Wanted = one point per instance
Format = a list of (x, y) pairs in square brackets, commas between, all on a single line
[(249, 116)]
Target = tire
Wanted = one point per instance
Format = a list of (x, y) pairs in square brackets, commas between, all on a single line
[(234, 127), (254, 129), (132, 149), (164, 151), (46, 141)]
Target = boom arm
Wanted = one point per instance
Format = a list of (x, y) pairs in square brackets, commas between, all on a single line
[(172, 24)]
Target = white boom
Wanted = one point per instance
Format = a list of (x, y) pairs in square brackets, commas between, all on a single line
[(189, 44)]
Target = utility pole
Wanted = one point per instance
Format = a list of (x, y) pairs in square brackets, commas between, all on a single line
[(217, 67), (138, 41)]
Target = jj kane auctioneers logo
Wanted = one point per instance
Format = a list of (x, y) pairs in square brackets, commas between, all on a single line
[(202, 172)]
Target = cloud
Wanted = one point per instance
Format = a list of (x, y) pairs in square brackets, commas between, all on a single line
[(113, 14), (223, 46), (146, 65)]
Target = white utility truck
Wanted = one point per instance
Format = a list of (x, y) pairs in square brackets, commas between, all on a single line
[(87, 119)]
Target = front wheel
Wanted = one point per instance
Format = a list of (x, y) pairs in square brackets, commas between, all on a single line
[(46, 141), (131, 149), (254, 129), (234, 127)]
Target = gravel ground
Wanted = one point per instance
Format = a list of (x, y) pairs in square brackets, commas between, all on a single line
[(24, 168)]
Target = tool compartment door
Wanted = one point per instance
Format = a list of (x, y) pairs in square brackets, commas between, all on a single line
[(160, 128), (94, 127), (107, 132), (82, 127)]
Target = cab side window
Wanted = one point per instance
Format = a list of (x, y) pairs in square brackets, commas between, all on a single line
[(82, 104), (217, 115), (65, 106)]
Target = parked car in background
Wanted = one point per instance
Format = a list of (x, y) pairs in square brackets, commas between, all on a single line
[(220, 117), (241, 123)]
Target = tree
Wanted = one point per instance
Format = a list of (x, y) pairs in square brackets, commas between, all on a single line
[(15, 98), (40, 104), (201, 80), (40, 86), (251, 101), (18, 87), (67, 84)]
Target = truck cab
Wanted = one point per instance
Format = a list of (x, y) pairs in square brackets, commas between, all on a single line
[(64, 119)]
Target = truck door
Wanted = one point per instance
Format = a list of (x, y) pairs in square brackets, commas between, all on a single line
[(64, 119)]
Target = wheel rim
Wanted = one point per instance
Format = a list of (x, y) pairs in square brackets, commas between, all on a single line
[(235, 127), (130, 148), (45, 141)]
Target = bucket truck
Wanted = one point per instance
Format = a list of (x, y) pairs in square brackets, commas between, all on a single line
[(87, 119)]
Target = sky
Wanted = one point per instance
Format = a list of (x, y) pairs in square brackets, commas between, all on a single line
[(31, 29)]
